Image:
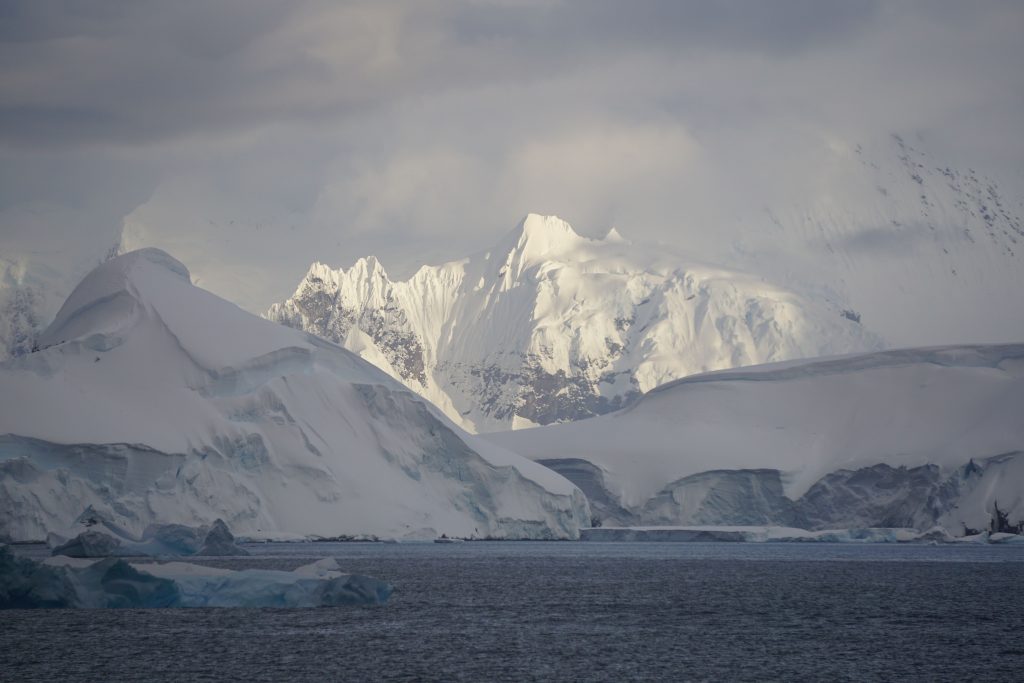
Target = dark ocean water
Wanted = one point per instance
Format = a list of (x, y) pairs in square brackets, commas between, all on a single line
[(574, 611)]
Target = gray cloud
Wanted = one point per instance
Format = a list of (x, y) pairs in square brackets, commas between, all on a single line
[(252, 136), (133, 72)]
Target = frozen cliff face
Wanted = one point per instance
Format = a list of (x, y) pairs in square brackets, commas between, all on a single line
[(722, 497), (906, 438), (549, 326), (154, 401)]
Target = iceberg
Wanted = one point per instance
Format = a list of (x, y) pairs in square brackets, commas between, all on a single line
[(110, 540), (114, 583)]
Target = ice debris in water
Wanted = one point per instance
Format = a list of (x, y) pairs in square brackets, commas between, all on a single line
[(112, 582), (103, 538)]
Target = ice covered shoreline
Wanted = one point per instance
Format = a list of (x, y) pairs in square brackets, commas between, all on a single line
[(777, 534)]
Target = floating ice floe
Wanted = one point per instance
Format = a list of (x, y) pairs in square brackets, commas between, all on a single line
[(115, 583)]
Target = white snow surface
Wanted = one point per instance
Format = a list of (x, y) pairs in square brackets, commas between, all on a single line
[(938, 406), (549, 326), (157, 402)]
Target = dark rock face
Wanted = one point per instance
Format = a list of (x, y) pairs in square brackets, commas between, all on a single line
[(546, 398), (327, 316), (535, 394)]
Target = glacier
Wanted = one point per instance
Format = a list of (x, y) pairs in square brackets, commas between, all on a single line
[(63, 582), (905, 438), (549, 326), (152, 401)]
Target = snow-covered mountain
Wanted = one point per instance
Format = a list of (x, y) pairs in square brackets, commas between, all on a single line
[(906, 438), (33, 287), (928, 249), (550, 326), (152, 400)]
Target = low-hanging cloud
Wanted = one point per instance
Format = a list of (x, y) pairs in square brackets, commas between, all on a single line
[(251, 137)]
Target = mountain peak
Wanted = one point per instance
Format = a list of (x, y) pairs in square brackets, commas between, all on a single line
[(536, 226), (104, 296), (538, 237), (614, 237)]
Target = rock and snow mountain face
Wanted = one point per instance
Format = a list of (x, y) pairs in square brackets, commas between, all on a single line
[(153, 401), (907, 438), (549, 326), (927, 249)]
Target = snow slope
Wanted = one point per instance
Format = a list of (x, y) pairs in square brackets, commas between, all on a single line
[(894, 438), (154, 401), (550, 326), (927, 248)]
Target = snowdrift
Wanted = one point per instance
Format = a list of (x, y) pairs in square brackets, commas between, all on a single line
[(154, 401), (906, 438)]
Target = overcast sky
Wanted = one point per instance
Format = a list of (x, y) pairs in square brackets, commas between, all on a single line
[(250, 137)]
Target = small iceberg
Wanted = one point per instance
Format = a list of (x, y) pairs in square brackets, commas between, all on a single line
[(447, 539), (114, 583), (103, 538)]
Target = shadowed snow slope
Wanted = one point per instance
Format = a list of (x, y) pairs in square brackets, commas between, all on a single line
[(550, 326), (155, 401), (882, 439)]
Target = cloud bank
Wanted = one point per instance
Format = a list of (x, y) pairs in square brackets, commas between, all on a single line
[(251, 137)]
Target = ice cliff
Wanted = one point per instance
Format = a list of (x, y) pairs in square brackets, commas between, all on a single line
[(907, 438), (154, 401)]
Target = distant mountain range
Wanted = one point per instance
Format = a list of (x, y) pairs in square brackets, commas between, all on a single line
[(549, 326), (892, 247)]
